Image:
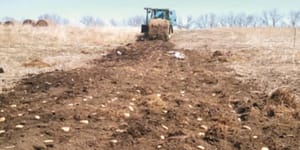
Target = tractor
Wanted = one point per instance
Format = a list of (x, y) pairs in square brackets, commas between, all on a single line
[(159, 24)]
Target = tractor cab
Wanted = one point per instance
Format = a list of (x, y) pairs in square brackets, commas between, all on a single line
[(154, 13)]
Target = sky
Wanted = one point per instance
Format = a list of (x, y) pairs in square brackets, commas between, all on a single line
[(120, 9)]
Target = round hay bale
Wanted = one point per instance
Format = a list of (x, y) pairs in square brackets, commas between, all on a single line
[(29, 22), (43, 23), (159, 29), (9, 23)]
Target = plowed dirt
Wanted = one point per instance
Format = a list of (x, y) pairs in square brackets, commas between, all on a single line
[(141, 96)]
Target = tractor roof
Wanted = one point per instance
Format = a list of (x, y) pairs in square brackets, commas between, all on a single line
[(159, 9)]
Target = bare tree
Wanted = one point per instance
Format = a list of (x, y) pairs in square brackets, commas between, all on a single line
[(113, 22), (275, 17), (240, 20), (55, 18), (202, 21), (212, 20), (207, 21), (91, 21), (231, 20), (265, 18), (136, 21), (223, 22), (8, 19), (185, 25), (294, 18), (251, 21), (179, 23), (189, 22)]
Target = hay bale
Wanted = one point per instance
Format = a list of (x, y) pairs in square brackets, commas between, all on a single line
[(29, 22), (43, 23), (159, 29), (9, 23)]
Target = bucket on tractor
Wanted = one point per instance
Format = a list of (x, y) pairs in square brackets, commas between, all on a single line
[(159, 24)]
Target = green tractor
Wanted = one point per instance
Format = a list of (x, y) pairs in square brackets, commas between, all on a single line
[(159, 24)]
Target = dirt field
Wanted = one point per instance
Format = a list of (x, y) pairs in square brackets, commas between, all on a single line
[(205, 89)]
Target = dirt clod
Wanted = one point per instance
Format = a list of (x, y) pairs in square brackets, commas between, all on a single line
[(283, 97)]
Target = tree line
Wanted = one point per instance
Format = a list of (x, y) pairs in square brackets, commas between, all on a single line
[(271, 18)]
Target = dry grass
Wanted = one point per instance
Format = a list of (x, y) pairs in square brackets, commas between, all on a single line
[(263, 55), (237, 37), (60, 47)]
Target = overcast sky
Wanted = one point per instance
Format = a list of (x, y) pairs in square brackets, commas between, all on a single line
[(118, 9)]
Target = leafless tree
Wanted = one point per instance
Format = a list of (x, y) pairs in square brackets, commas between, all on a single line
[(136, 21), (240, 20), (207, 21), (212, 20), (202, 21), (189, 22), (179, 23), (251, 21), (231, 20), (185, 25), (223, 22), (55, 18), (294, 18), (265, 18), (275, 17), (113, 22), (8, 19), (92, 21)]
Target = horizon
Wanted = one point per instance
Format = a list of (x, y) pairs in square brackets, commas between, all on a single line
[(119, 10)]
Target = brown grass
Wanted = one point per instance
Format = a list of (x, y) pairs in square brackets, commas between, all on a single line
[(60, 47), (266, 56)]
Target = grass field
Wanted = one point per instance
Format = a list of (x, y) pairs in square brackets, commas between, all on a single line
[(269, 55), (50, 48)]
